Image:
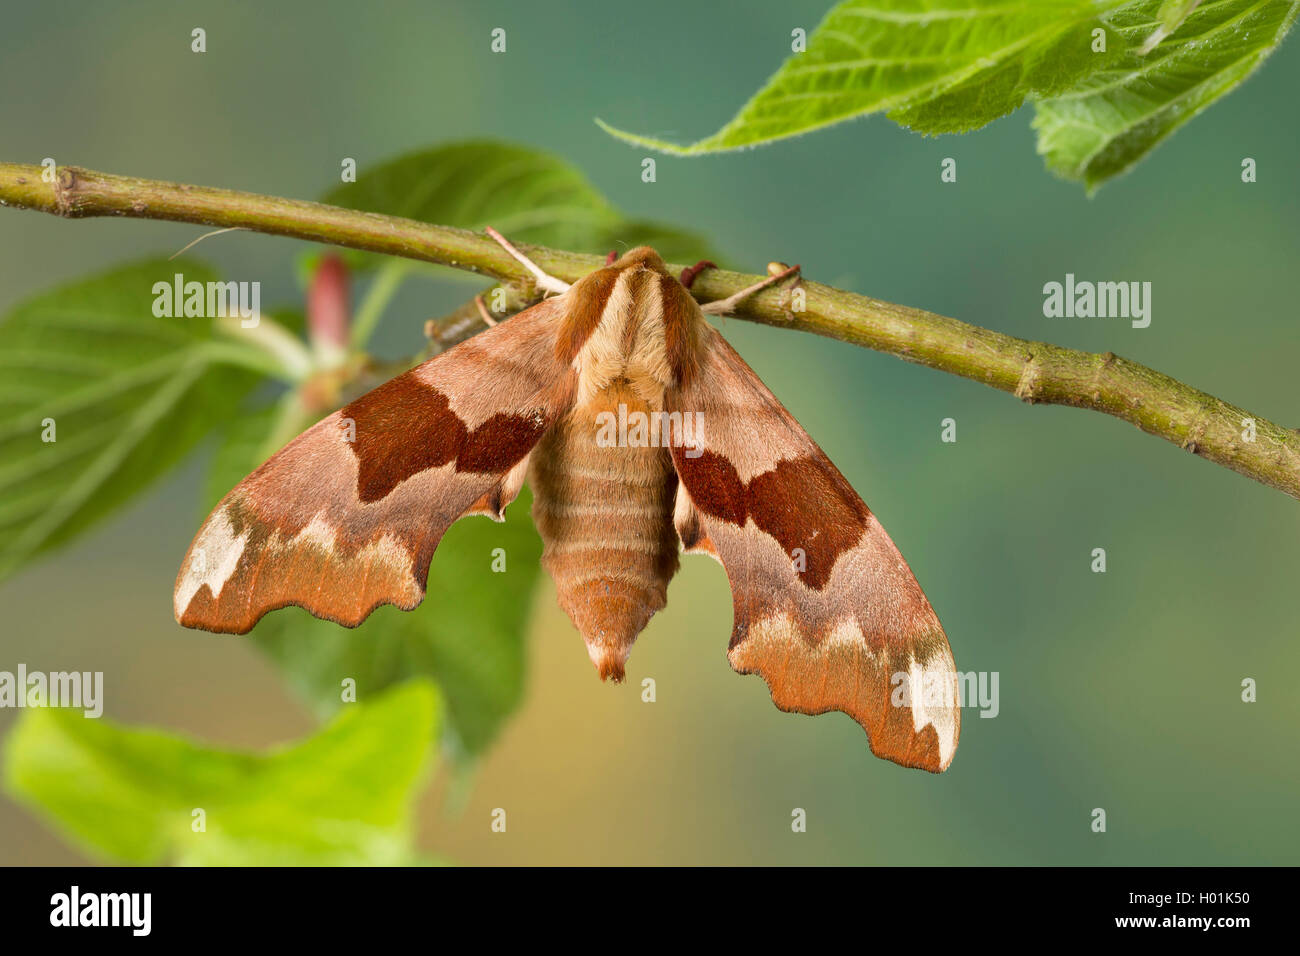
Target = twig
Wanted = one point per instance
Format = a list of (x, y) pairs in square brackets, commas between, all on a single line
[(1035, 372)]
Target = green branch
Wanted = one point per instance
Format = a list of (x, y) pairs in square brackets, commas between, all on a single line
[(1035, 372)]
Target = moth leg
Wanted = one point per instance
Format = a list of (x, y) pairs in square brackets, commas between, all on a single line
[(545, 282), (723, 306), (690, 272), (611, 256)]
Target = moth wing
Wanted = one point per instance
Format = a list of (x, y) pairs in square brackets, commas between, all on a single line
[(826, 610), (346, 517)]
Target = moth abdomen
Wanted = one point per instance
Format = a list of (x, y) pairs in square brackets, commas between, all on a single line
[(604, 513)]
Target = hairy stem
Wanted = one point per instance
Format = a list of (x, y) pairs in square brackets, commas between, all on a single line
[(1032, 371)]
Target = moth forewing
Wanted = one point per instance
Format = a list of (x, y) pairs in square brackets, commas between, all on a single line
[(347, 516)]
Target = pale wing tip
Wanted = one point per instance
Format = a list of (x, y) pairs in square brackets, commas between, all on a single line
[(934, 700), (910, 712)]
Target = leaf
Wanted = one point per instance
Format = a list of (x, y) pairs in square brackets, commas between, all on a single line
[(1117, 116), (526, 194), (871, 56), (1060, 58), (129, 395), (1174, 12), (951, 66), (341, 797), (467, 636)]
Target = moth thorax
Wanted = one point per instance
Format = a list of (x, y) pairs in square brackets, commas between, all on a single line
[(629, 343), (603, 499)]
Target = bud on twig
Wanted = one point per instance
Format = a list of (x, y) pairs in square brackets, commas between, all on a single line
[(329, 310)]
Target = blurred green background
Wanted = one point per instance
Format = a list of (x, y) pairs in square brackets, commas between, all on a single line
[(1118, 690)]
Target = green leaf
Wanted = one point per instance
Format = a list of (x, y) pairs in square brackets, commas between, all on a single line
[(1057, 58), (1116, 116), (1173, 12), (980, 57), (129, 394), (467, 636), (951, 66), (526, 194), (341, 797)]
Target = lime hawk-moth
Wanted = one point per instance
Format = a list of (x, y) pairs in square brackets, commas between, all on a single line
[(347, 516)]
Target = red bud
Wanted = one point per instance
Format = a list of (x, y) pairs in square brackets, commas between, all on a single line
[(328, 307)]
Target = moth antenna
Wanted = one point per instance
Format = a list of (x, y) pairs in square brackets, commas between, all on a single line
[(545, 282), (723, 306), (214, 232)]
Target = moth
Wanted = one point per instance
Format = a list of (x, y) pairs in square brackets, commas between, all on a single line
[(348, 515)]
